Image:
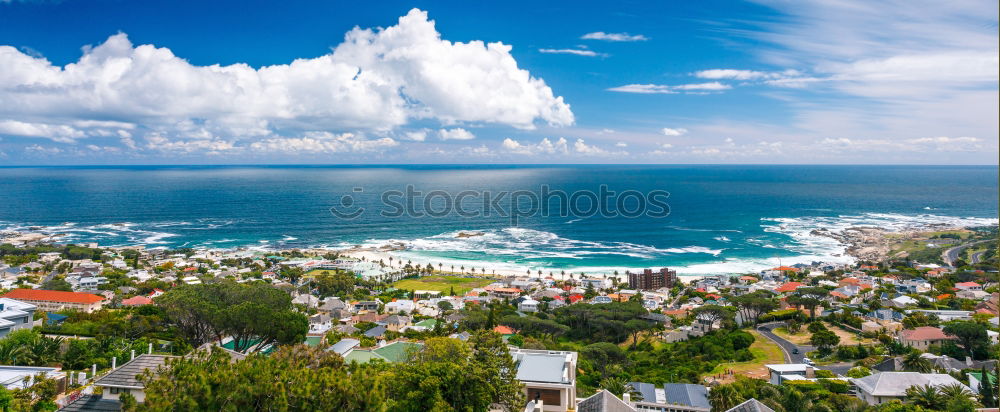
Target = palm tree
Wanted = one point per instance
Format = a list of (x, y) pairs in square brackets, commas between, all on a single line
[(619, 386), (11, 354), (926, 396), (794, 400), (723, 398), (954, 391), (913, 362)]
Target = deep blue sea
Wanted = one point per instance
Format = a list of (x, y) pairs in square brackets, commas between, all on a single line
[(722, 218)]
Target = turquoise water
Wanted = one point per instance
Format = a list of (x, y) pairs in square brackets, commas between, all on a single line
[(722, 218)]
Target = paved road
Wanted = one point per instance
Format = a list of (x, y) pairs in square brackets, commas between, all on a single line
[(787, 347), (976, 257), (951, 255)]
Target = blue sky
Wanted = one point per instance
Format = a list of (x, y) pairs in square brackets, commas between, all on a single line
[(153, 82)]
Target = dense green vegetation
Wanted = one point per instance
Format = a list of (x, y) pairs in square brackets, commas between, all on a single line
[(446, 375)]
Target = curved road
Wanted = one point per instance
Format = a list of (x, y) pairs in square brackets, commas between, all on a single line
[(951, 255), (976, 257), (788, 349)]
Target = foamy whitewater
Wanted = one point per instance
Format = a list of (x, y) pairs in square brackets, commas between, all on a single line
[(724, 219)]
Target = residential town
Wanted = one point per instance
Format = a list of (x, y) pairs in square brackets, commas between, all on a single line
[(90, 328)]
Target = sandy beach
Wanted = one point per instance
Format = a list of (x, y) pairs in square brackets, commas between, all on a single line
[(401, 257)]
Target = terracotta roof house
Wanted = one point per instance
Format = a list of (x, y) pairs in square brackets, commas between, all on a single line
[(923, 337), (968, 286), (55, 300), (504, 330), (137, 301), (788, 287)]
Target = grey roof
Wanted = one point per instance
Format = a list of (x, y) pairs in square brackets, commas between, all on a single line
[(332, 304), (319, 318), (397, 320), (344, 345), (647, 390), (751, 405), (92, 403), (896, 383), (348, 329), (462, 336), (125, 375), (687, 394), (537, 367), (376, 331), (603, 401)]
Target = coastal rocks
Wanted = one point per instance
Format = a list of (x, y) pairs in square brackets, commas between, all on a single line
[(463, 235)]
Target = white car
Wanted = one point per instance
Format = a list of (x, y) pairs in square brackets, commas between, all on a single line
[(807, 361)]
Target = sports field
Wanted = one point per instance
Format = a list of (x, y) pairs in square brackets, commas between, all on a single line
[(442, 283)]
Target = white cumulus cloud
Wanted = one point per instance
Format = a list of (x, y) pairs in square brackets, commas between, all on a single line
[(376, 79), (667, 131), (455, 134)]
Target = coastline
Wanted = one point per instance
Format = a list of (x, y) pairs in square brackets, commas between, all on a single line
[(839, 241)]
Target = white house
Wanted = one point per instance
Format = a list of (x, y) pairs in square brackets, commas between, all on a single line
[(549, 376), (883, 387), (15, 315), (528, 305), (400, 306)]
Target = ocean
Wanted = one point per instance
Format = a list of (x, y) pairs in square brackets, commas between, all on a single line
[(722, 219)]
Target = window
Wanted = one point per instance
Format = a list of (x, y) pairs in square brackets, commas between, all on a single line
[(548, 396)]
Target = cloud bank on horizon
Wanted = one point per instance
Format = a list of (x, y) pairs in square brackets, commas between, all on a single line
[(850, 80)]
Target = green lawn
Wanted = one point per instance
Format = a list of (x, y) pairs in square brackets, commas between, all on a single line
[(442, 283), (317, 272), (764, 352)]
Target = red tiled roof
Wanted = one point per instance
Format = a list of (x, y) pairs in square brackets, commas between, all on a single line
[(503, 290), (137, 301), (925, 333), (503, 330), (53, 296), (943, 296), (786, 269), (789, 287), (967, 284)]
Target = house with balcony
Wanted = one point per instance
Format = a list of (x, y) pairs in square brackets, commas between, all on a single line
[(15, 315), (548, 377)]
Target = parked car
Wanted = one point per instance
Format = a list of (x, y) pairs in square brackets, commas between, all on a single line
[(807, 361)]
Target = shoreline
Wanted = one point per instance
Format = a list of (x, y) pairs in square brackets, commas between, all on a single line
[(841, 245)]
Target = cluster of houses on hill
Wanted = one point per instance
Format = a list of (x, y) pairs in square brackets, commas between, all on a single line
[(883, 299)]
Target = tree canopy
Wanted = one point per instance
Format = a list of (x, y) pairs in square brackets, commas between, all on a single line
[(253, 315)]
